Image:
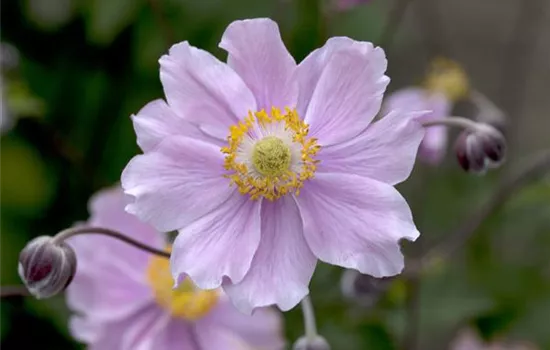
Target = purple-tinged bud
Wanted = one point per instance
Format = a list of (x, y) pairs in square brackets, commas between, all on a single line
[(493, 143), (363, 289), (477, 150), (317, 343), (470, 153), (46, 267)]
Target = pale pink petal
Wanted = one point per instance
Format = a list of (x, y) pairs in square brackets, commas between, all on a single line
[(177, 335), (145, 329), (433, 147), (212, 337), (157, 120), (283, 265), (132, 332), (176, 184), (262, 330), (219, 244), (386, 151), (110, 280), (356, 222), (347, 94), (202, 89), (311, 69), (84, 330), (259, 56)]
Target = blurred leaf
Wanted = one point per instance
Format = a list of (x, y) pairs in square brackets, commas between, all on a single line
[(21, 102), (53, 309), (51, 14), (105, 19), (26, 183), (446, 300)]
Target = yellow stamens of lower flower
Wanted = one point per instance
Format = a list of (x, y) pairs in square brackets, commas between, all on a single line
[(273, 175), (186, 301), (448, 77)]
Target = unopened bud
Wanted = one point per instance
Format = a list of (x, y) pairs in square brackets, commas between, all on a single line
[(476, 151), (363, 289), (493, 144), (46, 267), (9, 59), (317, 343)]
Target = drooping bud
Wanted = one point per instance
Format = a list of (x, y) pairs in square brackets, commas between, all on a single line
[(493, 144), (46, 267), (363, 289), (317, 343), (478, 150)]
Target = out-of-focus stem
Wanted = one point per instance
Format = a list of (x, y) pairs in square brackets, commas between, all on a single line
[(394, 19), (309, 318), (533, 169)]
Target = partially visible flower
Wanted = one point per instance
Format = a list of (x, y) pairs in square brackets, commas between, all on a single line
[(468, 340), (433, 147), (265, 166), (46, 267), (123, 298), (445, 83)]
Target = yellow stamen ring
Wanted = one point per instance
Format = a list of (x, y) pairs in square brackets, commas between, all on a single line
[(271, 157), (186, 301)]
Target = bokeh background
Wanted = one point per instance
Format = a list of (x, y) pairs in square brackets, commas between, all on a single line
[(73, 71)]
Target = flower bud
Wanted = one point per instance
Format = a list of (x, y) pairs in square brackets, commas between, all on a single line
[(493, 144), (9, 59), (317, 343), (363, 289), (476, 151), (45, 267), (470, 153)]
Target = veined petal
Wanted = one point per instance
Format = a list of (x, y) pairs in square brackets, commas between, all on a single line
[(176, 184), (385, 151), (343, 87), (261, 330), (202, 89), (258, 54), (356, 223), (176, 335), (283, 265), (110, 283), (309, 71), (433, 146), (219, 244), (156, 121)]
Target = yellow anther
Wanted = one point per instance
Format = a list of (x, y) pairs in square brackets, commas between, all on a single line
[(271, 157), (447, 77), (186, 301)]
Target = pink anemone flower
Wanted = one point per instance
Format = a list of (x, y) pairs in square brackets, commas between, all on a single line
[(265, 167), (123, 297)]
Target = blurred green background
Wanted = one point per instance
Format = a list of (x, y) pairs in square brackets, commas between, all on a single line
[(76, 69)]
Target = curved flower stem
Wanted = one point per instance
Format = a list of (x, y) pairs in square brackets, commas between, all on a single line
[(309, 318), (533, 169), (459, 122), (13, 291), (63, 235)]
